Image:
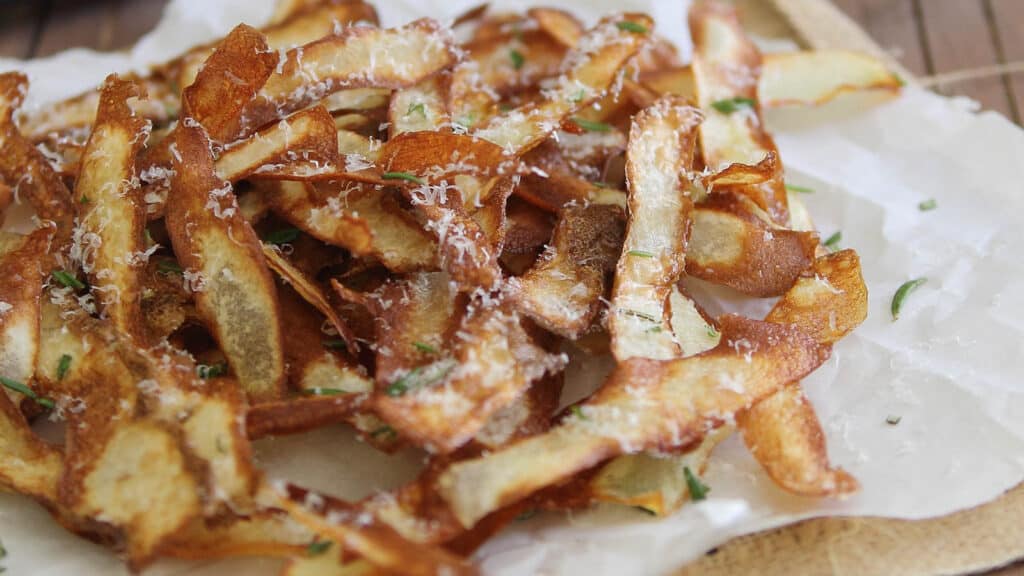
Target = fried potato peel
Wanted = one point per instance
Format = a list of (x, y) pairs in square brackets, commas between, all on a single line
[(562, 292), (661, 144), (225, 267), (475, 208), (109, 237), (679, 400)]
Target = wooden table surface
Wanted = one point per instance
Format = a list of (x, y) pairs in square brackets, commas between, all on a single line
[(933, 39)]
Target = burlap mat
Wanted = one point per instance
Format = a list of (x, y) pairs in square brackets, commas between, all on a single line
[(974, 540)]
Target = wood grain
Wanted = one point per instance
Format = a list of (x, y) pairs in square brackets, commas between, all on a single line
[(1008, 19), (893, 24), (18, 25), (957, 36)]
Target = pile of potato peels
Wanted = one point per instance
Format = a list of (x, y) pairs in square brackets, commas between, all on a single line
[(328, 222)]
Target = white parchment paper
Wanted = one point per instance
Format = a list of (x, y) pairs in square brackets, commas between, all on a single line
[(952, 368)]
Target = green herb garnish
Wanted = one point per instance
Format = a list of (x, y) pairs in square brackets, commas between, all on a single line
[(577, 411), (401, 176), (927, 205), (506, 107), (68, 280), (282, 236), (640, 253), (169, 267), (712, 331), (207, 371), (590, 125), (385, 432), (418, 107), (526, 515), (318, 391), (638, 314), (893, 420), (730, 105), (335, 344), (833, 241), (800, 189), (425, 347), (698, 490), (517, 58), (318, 547), (19, 387), (653, 330), (63, 365), (83, 200), (646, 510), (579, 96), (420, 377), (631, 27), (901, 294)]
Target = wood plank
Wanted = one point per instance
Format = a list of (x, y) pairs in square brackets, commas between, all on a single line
[(73, 24), (133, 18), (893, 24), (1008, 16), (957, 36), (18, 24)]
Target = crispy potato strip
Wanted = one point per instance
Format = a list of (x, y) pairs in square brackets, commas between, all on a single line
[(357, 57), (588, 71), (265, 532), (661, 144), (782, 431), (224, 265), (726, 67), (22, 258), (24, 167), (730, 245), (803, 78), (109, 237), (443, 404), (27, 464), (644, 404), (418, 108), (363, 220), (376, 542), (562, 292)]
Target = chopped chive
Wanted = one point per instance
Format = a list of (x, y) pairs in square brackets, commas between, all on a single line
[(579, 96), (318, 391), (893, 420), (640, 253), (282, 236), (638, 314), (169, 267), (335, 344), (67, 280), (401, 176), (730, 105), (418, 107), (207, 371), (712, 331), (517, 58), (631, 27), (800, 189), (577, 411), (505, 107), (63, 366), (417, 379), (646, 510), (19, 387), (385, 432), (653, 330), (526, 515), (698, 490), (425, 347), (590, 125), (901, 294), (83, 200), (833, 241), (600, 184), (318, 547), (929, 204)]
